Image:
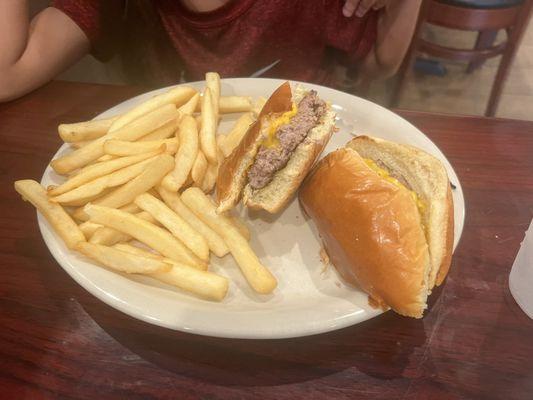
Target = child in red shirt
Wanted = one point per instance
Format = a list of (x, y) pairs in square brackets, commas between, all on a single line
[(167, 41)]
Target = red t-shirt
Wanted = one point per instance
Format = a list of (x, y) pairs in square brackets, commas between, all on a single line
[(161, 41)]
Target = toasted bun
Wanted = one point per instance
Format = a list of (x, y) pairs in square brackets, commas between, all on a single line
[(274, 196), (371, 229), (428, 178), (232, 172)]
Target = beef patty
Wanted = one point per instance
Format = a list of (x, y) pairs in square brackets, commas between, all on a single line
[(269, 160)]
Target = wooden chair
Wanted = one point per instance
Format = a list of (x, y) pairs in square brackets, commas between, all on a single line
[(484, 16)]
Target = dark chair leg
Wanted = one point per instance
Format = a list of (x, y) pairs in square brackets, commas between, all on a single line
[(485, 40), (514, 38)]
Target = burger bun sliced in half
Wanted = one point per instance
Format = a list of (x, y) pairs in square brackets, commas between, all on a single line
[(233, 182), (385, 215)]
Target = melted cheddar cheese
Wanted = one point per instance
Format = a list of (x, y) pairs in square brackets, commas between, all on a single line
[(271, 139), (383, 173)]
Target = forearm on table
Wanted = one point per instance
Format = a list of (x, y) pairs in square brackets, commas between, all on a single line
[(395, 30), (33, 54)]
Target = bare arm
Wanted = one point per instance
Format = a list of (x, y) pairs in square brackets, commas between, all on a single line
[(31, 54), (396, 25)]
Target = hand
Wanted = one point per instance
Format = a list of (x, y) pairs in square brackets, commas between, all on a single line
[(361, 7)]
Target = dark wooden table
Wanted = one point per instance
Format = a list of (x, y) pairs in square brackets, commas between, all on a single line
[(58, 341)]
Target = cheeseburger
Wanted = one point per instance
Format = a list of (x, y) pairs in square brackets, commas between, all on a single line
[(273, 158), (384, 212)]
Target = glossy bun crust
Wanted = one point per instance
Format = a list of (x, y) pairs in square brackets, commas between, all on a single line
[(371, 230)]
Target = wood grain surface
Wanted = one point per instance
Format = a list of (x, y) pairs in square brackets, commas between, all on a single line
[(58, 341)]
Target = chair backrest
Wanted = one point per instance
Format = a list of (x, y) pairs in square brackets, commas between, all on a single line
[(471, 19)]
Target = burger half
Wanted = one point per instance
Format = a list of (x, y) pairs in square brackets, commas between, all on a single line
[(279, 149), (385, 214)]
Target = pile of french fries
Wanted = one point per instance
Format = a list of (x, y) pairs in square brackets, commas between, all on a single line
[(136, 194)]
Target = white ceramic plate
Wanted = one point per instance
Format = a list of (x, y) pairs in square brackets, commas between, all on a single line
[(309, 299)]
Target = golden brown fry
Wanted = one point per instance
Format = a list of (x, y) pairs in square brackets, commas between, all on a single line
[(189, 107), (92, 172), (151, 176), (185, 156), (210, 178), (131, 208), (198, 168), (94, 188), (87, 130), (257, 275), (234, 137), (124, 148), (208, 142), (175, 224), (202, 283), (214, 240), (232, 104), (145, 232), (88, 228), (121, 260), (109, 236), (105, 157), (240, 225), (133, 131), (212, 81), (163, 132), (80, 144), (175, 96), (61, 222)]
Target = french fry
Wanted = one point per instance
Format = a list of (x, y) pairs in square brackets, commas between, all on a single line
[(210, 178), (175, 96), (257, 275), (124, 148), (258, 105), (241, 226), (151, 176), (87, 130), (234, 137), (214, 240), (163, 132), (232, 104), (80, 144), (108, 236), (198, 168), (202, 283), (122, 261), (92, 189), (133, 131), (185, 156), (88, 228), (155, 237), (62, 223), (130, 248), (105, 157), (189, 107), (175, 224), (212, 81), (131, 208), (208, 129)]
